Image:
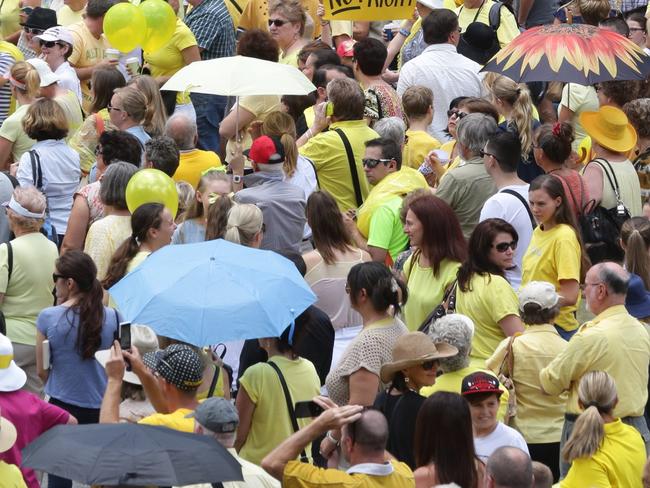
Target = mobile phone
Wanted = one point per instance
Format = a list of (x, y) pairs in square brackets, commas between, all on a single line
[(329, 109), (125, 335), (308, 409), (46, 354)]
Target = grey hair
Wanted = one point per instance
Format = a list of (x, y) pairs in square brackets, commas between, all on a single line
[(163, 153), (112, 189), (456, 330), (182, 130), (474, 130), (616, 280), (392, 128), (226, 439)]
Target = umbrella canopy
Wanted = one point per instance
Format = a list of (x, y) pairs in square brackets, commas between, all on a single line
[(213, 291), (572, 53), (130, 454), (240, 76)]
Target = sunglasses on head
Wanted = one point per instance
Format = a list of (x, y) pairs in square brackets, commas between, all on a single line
[(277, 22), (33, 30), (503, 246), (373, 163)]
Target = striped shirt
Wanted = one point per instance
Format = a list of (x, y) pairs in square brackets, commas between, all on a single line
[(212, 26), (6, 62)]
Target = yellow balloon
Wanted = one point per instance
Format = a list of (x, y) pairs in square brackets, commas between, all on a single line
[(161, 24), (151, 186), (124, 26)]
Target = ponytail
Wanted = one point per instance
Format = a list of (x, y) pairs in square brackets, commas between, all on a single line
[(635, 234), (280, 124), (555, 140), (120, 262), (290, 154), (217, 221), (244, 223), (518, 96)]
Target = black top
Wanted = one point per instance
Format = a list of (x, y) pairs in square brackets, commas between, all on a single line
[(316, 344), (401, 411)]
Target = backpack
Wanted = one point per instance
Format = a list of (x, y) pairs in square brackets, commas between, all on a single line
[(600, 226), (480, 42)]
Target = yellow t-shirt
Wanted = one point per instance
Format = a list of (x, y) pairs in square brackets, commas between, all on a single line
[(87, 51), (618, 461), (426, 290), (271, 424), (507, 30), (260, 106), (175, 420), (104, 237), (167, 60), (256, 13), (554, 255), (193, 163), (66, 16), (453, 381), (11, 476), (9, 17), (490, 299), (12, 130), (418, 145), (303, 475), (290, 59)]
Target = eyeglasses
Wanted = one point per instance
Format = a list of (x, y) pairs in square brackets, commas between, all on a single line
[(347, 288), (111, 108), (373, 163), (637, 29), (50, 44), (33, 30), (503, 246), (482, 153), (456, 113), (585, 285), (429, 365), (277, 22), (55, 277)]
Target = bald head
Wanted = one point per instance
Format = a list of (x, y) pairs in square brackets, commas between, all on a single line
[(370, 432), (182, 130), (543, 475), (614, 276), (510, 467)]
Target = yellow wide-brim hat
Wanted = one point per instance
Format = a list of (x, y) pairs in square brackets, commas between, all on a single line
[(610, 128)]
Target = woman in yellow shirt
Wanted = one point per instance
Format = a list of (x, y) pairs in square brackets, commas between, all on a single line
[(433, 229), (287, 26), (555, 250), (602, 449), (483, 293)]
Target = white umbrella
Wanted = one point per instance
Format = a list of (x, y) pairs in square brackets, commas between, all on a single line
[(239, 76)]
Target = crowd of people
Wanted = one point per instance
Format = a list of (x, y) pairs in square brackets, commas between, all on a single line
[(479, 248)]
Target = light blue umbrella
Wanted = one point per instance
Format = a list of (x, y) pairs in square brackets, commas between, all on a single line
[(213, 291)]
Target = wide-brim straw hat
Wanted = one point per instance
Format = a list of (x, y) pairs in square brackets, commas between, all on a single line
[(610, 128), (412, 349)]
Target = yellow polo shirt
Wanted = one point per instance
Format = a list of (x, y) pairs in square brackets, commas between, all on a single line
[(490, 299), (554, 255), (618, 462), (453, 381), (613, 341), (303, 475), (193, 163), (327, 152), (176, 420), (539, 417), (418, 145)]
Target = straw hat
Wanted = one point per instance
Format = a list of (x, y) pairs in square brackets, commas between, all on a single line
[(8, 434), (610, 128), (412, 349), (142, 337)]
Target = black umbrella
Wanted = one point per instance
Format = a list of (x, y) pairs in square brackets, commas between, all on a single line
[(130, 454)]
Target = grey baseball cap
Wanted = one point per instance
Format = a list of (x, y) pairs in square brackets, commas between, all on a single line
[(216, 414)]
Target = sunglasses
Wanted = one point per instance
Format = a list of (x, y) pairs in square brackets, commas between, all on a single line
[(373, 163), (482, 153), (33, 30), (277, 22), (55, 277), (429, 365), (503, 246), (456, 113), (50, 44), (98, 150)]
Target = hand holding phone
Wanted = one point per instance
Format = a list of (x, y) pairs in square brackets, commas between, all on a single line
[(125, 340)]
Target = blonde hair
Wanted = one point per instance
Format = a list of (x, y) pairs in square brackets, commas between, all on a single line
[(26, 74), (593, 11), (244, 223), (45, 119), (195, 210), (518, 96), (134, 102), (293, 10), (280, 124), (597, 394), (30, 199), (185, 198), (154, 118)]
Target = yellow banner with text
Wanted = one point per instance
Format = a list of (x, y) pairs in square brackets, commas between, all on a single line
[(368, 9)]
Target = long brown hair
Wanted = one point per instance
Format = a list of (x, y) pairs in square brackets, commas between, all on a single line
[(217, 221), (327, 228), (78, 266), (145, 217), (635, 234)]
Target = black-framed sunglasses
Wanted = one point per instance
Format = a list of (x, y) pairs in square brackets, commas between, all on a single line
[(55, 277), (277, 22), (482, 153), (456, 113), (33, 30), (50, 44), (503, 246), (373, 163), (429, 365)]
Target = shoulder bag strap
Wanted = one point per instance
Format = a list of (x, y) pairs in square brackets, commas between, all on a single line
[(10, 261), (523, 202), (613, 182), (494, 17), (37, 172), (292, 412), (215, 378), (478, 11), (448, 302), (353, 167), (508, 360)]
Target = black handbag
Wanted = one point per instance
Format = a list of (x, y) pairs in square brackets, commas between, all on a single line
[(447, 306), (10, 267)]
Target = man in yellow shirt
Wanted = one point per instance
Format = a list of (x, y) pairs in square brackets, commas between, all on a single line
[(363, 445), (72, 12), (193, 161), (337, 153), (88, 50), (614, 342), (170, 378)]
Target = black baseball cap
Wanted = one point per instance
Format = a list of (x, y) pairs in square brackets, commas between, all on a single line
[(480, 382)]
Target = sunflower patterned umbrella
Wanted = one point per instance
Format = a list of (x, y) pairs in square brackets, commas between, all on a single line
[(572, 53)]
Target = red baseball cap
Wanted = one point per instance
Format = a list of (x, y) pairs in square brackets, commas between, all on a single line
[(480, 382), (266, 150)]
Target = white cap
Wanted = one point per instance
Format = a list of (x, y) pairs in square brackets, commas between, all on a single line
[(45, 73), (12, 378), (540, 293), (57, 33)]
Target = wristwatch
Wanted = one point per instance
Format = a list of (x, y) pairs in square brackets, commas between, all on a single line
[(236, 179)]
